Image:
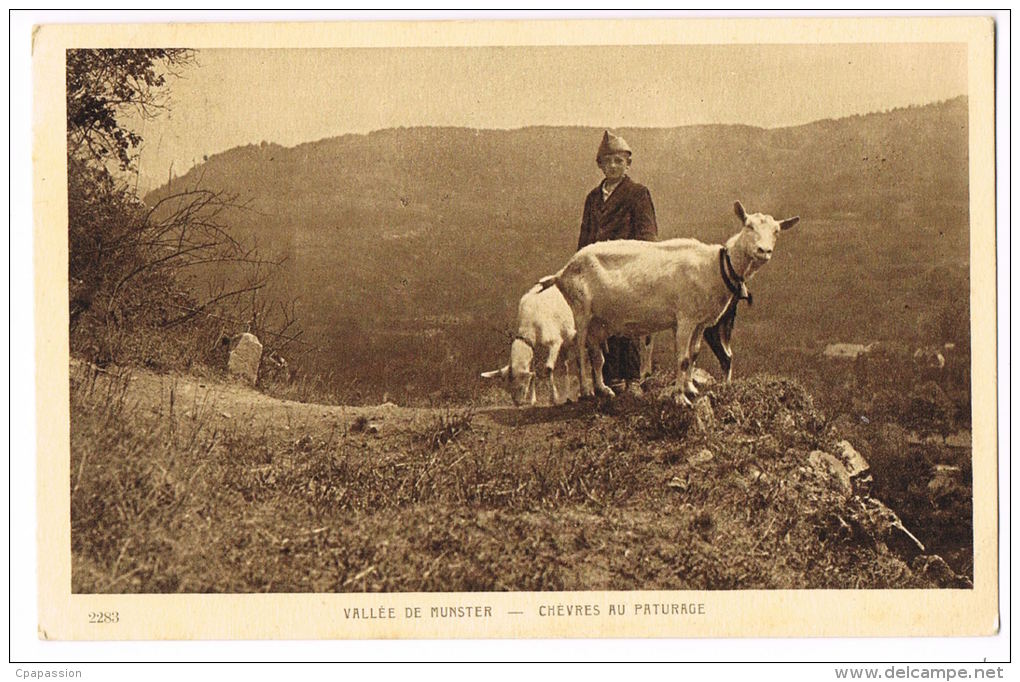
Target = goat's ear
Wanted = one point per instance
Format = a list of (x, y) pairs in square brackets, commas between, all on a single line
[(502, 373), (738, 208), (789, 222)]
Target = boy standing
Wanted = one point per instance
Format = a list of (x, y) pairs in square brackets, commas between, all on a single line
[(618, 208)]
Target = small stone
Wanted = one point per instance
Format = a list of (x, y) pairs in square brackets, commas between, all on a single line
[(944, 485), (756, 474), (701, 378), (677, 483), (830, 466), (935, 568), (702, 456), (245, 356), (853, 461), (704, 416)]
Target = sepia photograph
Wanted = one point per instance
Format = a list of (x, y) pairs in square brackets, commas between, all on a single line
[(561, 337)]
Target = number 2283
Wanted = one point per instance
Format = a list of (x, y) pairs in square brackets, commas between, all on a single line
[(100, 617)]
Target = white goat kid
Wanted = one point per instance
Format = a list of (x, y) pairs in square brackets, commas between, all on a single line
[(543, 320), (633, 288)]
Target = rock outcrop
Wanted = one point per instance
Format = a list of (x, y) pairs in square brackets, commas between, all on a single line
[(869, 518)]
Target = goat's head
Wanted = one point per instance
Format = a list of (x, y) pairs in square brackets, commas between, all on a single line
[(517, 376), (758, 238)]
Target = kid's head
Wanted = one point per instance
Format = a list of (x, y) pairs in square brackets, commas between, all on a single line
[(613, 156)]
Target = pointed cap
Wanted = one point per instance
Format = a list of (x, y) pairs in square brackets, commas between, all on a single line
[(612, 144)]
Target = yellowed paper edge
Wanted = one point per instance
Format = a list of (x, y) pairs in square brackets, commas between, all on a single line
[(711, 613)]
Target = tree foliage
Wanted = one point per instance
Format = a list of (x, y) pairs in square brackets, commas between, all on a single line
[(103, 85), (105, 218), (139, 274)]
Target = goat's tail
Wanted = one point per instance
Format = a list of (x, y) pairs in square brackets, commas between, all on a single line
[(550, 281)]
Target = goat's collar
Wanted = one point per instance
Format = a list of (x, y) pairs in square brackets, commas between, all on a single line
[(526, 341), (734, 282)]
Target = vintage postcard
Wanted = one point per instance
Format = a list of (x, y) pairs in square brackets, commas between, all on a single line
[(516, 329)]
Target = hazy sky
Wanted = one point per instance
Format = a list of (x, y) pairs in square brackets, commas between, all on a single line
[(235, 97)]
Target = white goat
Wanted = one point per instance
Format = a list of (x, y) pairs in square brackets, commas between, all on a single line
[(543, 320), (632, 288)]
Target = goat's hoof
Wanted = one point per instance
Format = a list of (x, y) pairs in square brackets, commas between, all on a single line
[(607, 392), (682, 400)]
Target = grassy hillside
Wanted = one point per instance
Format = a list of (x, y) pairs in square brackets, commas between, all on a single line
[(415, 244), (187, 485)]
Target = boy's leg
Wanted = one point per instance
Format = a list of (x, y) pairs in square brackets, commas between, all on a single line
[(630, 365), (611, 368), (623, 362)]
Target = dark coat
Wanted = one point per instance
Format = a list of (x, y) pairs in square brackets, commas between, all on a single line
[(627, 214)]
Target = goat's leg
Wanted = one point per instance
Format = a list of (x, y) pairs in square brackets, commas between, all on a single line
[(646, 357), (576, 360), (711, 336), (682, 341), (725, 334), (598, 362), (718, 338), (692, 355), (550, 366), (583, 363), (569, 363)]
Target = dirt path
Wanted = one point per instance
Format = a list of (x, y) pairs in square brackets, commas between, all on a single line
[(228, 403)]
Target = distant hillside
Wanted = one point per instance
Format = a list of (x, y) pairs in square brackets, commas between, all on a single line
[(406, 230)]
